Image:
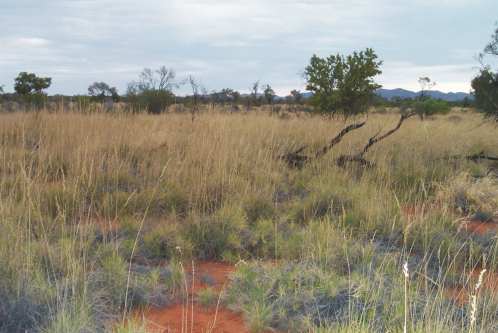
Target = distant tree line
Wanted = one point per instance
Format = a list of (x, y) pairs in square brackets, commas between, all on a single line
[(154, 92), (337, 85)]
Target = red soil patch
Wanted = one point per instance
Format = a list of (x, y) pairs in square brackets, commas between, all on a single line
[(210, 274), (458, 294), (480, 228), (173, 318), (490, 280), (169, 320), (489, 286)]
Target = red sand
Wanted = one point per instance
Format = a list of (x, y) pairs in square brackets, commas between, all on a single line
[(457, 294), (217, 272), (171, 319), (461, 295), (473, 226), (489, 286), (490, 282), (480, 228)]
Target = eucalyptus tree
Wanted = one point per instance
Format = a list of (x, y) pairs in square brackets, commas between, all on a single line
[(485, 84), (341, 86), (153, 90)]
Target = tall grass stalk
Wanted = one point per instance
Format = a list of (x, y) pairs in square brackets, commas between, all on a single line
[(406, 274), (473, 301)]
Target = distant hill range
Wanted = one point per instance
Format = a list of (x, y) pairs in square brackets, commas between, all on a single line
[(405, 94), (389, 94)]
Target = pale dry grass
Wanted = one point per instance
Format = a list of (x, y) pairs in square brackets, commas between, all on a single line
[(65, 175)]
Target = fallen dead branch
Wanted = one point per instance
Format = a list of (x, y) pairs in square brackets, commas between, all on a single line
[(297, 160), (359, 158), (481, 156), (343, 160), (474, 157)]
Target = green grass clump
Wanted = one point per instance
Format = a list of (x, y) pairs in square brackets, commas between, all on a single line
[(281, 296), (130, 326), (207, 297)]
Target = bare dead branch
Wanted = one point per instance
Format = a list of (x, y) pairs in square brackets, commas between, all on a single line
[(476, 157), (338, 138), (376, 138), (343, 160), (482, 156), (300, 149), (358, 158), (297, 160)]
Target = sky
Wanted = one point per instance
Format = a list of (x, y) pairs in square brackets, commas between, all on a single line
[(233, 43)]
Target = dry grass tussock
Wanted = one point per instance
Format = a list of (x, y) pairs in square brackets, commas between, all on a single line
[(91, 203)]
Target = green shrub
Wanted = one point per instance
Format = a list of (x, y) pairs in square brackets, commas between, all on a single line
[(257, 208), (130, 326), (162, 242), (175, 281), (429, 107), (71, 320), (264, 236), (154, 101), (259, 316), (207, 297), (111, 279), (321, 203), (223, 236), (434, 236), (282, 297), (325, 245), (167, 200), (25, 306)]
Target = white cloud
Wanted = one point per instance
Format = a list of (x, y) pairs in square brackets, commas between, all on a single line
[(233, 42), (30, 42), (16, 49), (447, 77)]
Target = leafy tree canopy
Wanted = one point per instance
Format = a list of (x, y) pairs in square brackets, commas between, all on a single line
[(153, 90), (101, 90), (343, 84), (485, 84), (269, 94), (29, 83), (225, 95), (297, 96), (492, 47), (430, 106)]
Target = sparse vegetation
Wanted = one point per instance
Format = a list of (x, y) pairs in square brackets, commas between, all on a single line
[(85, 221), (258, 219)]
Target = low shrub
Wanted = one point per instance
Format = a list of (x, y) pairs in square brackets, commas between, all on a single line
[(207, 297)]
